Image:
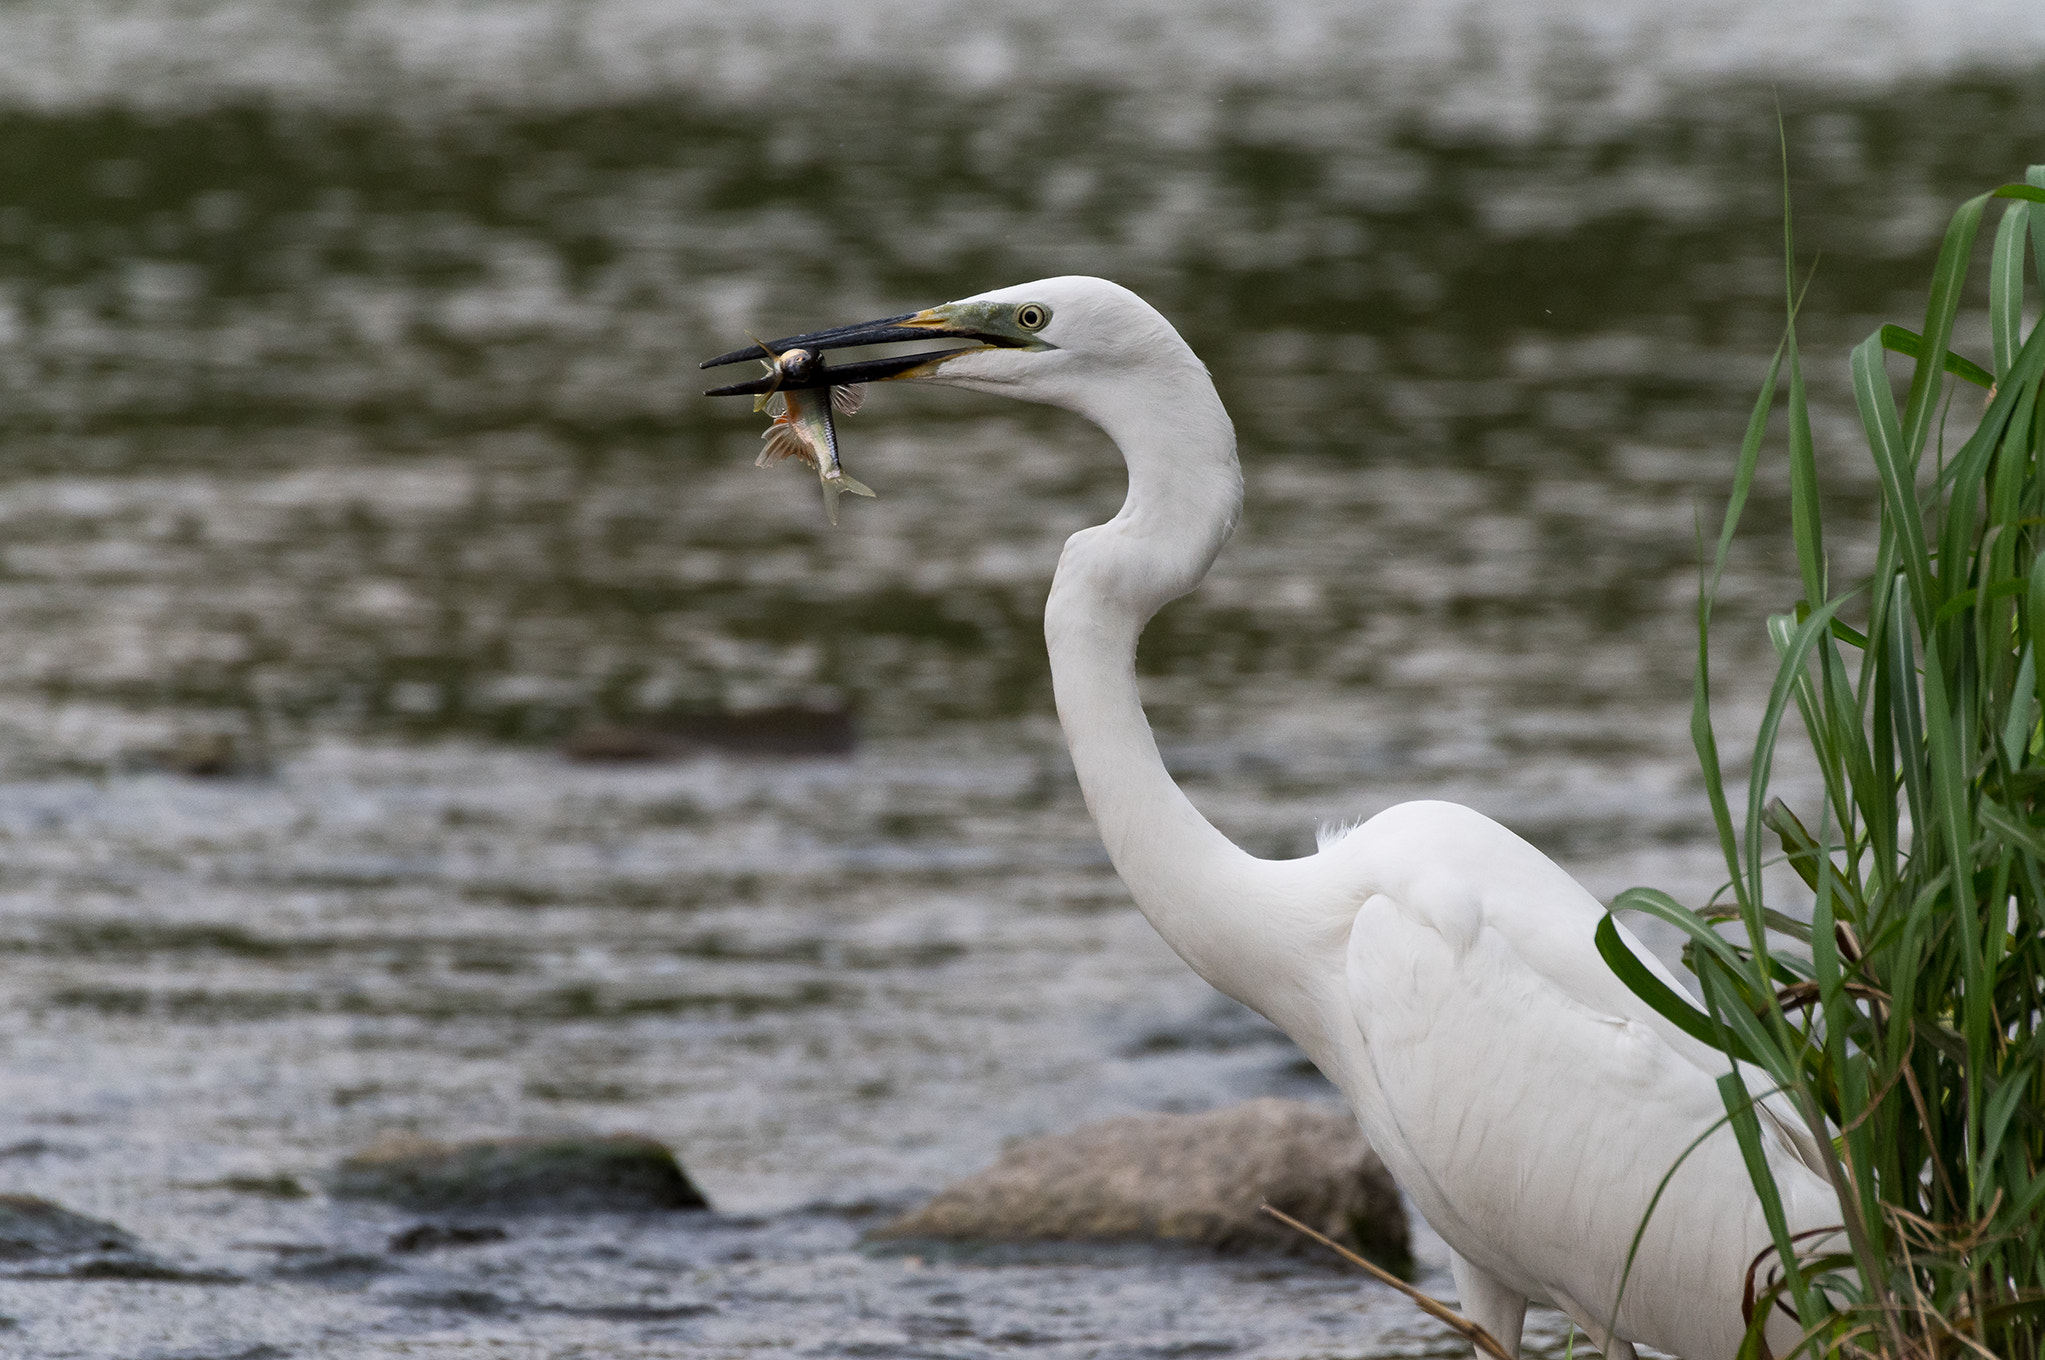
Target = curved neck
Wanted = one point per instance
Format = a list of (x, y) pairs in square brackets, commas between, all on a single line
[(1185, 489)]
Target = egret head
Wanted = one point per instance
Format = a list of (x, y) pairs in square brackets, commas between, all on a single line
[(1065, 341)]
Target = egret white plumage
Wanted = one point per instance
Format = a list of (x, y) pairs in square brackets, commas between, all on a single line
[(1439, 969)]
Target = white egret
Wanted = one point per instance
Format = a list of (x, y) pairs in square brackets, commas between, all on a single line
[(1440, 970)]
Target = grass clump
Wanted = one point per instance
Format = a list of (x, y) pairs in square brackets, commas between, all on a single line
[(1903, 1018)]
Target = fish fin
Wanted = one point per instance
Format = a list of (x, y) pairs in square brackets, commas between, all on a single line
[(773, 371), (784, 442), (846, 483), (830, 502), (847, 400)]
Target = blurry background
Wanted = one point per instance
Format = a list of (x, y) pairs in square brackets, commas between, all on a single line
[(352, 462)]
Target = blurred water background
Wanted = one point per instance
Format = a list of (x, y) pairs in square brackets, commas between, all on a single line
[(351, 462)]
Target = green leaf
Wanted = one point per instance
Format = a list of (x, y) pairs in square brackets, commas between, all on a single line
[(2007, 825), (2010, 1099), (1894, 466), (1910, 345), (1702, 737), (2006, 285), (1747, 1127), (2036, 175), (1660, 997), (1946, 280), (1967, 599), (1812, 865), (2023, 712)]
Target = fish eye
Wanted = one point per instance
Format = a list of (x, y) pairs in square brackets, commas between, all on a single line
[(1032, 316)]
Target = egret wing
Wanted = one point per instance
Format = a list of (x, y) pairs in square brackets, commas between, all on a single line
[(1534, 1131), (1464, 870), (1559, 943)]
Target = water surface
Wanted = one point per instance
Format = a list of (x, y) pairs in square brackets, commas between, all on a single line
[(350, 450)]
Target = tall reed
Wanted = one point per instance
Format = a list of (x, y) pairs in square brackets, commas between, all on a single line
[(1903, 1018)]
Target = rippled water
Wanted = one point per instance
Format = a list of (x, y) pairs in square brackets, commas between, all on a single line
[(350, 450)]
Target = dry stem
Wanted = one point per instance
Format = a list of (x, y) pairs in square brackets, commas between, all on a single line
[(1485, 1342)]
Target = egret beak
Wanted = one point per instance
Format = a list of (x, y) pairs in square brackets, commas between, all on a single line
[(929, 324)]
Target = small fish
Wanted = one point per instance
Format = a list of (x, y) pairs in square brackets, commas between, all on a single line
[(803, 427)]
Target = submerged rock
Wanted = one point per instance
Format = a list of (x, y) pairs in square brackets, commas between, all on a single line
[(440, 1236), (1196, 1179), (787, 731), (214, 755), (279, 1186), (566, 1172), (33, 1229), (41, 1240)]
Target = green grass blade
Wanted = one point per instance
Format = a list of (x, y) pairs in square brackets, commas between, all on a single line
[(1796, 651), (1946, 280), (1702, 735), (1803, 487), (2006, 1103), (1652, 902), (1902, 340), (2036, 177), (1739, 1105), (2006, 285), (2023, 711), (1665, 1000), (1893, 464)]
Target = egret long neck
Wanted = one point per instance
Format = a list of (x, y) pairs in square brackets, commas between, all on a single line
[(1184, 492)]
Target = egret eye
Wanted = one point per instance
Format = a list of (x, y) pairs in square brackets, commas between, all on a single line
[(1032, 316)]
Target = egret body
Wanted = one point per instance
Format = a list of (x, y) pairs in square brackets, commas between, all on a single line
[(1437, 968)]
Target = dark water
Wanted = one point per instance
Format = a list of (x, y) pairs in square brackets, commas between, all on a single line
[(350, 449)]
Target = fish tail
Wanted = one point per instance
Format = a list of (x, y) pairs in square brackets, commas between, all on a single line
[(846, 483)]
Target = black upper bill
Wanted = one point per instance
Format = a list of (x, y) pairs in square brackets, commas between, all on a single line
[(879, 332), (887, 331)]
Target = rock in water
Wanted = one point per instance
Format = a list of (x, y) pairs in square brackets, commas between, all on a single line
[(786, 731), (33, 1229), (439, 1236), (618, 1171), (44, 1241), (1197, 1179)]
